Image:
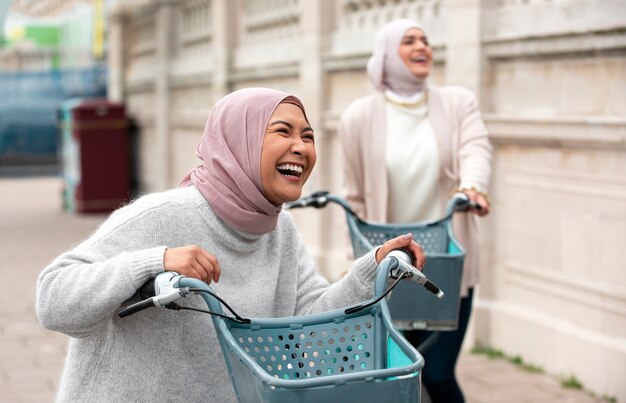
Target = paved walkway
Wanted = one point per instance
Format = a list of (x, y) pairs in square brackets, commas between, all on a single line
[(34, 230)]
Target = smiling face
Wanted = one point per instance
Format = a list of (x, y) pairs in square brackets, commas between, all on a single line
[(416, 53), (287, 155)]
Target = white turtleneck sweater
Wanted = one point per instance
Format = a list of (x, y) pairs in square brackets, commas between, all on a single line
[(411, 159)]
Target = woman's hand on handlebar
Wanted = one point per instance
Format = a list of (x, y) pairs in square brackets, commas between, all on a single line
[(403, 242), (479, 199), (192, 261)]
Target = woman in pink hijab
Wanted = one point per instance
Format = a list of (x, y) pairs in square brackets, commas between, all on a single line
[(406, 149), (223, 225)]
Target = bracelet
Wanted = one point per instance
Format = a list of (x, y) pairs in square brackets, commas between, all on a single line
[(474, 189)]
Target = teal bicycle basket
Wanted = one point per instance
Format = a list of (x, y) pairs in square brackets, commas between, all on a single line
[(326, 357)]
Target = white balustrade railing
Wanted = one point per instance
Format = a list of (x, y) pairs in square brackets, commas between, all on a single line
[(359, 20), (270, 33), (143, 32), (142, 29), (195, 28)]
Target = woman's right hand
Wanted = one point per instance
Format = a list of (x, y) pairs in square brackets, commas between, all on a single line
[(192, 261), (403, 242)]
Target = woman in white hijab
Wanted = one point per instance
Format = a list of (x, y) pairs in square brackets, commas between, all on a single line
[(406, 148)]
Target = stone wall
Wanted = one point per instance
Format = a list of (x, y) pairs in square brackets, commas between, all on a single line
[(550, 78)]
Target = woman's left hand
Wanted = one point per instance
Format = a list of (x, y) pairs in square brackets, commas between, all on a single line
[(403, 242), (479, 199)]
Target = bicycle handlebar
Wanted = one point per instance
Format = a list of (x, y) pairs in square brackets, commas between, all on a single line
[(397, 265), (459, 202), (167, 287), (134, 308), (161, 290), (316, 199), (463, 203), (404, 263), (158, 300)]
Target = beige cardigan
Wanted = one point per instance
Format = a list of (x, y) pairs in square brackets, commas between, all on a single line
[(464, 155)]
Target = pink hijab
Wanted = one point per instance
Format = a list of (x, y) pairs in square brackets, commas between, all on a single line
[(230, 148), (385, 68)]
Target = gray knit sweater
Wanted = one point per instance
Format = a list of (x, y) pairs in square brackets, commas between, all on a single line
[(164, 355)]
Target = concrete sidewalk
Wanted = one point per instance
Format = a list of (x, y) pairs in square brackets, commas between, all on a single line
[(34, 230)]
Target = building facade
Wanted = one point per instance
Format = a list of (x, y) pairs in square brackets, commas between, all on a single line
[(550, 77)]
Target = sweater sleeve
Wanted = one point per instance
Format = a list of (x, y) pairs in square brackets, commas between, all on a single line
[(315, 294), (83, 288)]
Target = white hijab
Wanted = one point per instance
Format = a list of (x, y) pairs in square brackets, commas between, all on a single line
[(385, 68)]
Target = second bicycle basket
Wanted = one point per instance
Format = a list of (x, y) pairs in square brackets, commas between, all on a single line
[(411, 306)]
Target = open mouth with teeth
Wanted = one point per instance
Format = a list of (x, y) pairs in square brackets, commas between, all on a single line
[(290, 170)]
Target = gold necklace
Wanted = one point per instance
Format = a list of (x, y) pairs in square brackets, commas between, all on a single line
[(408, 104)]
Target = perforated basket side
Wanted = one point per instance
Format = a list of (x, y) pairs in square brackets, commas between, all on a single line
[(369, 360), (312, 351), (370, 386), (433, 237)]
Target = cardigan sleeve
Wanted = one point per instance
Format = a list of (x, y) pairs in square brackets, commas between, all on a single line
[(350, 135), (474, 152)]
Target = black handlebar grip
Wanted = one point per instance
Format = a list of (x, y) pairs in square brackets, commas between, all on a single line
[(431, 287), (467, 205), (134, 308), (300, 203)]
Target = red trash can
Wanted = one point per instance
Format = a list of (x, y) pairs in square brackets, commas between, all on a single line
[(100, 178)]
